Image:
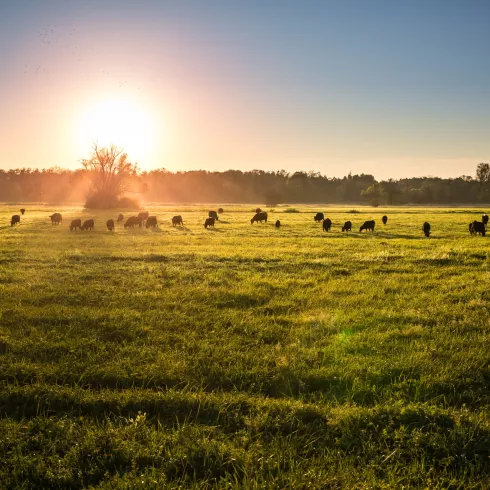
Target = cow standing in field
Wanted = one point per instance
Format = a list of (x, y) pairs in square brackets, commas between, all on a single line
[(143, 215), (484, 219), (110, 224), (14, 220), (347, 226), (213, 214), (368, 226), (384, 219), (426, 229), (477, 227), (88, 225), (132, 221), (318, 217), (327, 224), (75, 224), (120, 218), (177, 220), (151, 222), (259, 217), (22, 211), (209, 223), (56, 219), (278, 224)]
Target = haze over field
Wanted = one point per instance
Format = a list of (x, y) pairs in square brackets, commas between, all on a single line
[(387, 88)]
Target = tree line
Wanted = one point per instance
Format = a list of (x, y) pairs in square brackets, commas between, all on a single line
[(59, 186)]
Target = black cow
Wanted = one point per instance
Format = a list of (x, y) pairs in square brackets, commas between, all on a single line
[(259, 217), (220, 211), (426, 229), (75, 224), (318, 217), (143, 215), (384, 219), (133, 221), (14, 220), (56, 219), (368, 226), (22, 211), (177, 220), (151, 222), (120, 218), (484, 219), (110, 224), (477, 227), (87, 225), (209, 222), (347, 226), (327, 224), (278, 224), (213, 214)]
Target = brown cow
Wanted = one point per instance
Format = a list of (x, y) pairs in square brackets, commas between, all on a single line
[(75, 224), (56, 219), (209, 222), (87, 225), (259, 217)]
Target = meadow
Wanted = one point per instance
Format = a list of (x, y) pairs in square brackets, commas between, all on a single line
[(245, 356)]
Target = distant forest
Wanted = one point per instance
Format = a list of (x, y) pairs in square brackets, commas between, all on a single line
[(58, 186)]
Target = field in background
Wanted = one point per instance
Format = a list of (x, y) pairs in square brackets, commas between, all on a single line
[(245, 356)]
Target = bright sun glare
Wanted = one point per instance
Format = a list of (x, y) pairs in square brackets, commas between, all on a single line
[(121, 122)]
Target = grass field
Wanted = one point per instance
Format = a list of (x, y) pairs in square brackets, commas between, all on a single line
[(245, 356)]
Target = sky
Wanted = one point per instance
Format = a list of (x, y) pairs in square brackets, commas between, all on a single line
[(390, 88)]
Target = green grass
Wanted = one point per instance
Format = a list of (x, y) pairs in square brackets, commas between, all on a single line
[(245, 356)]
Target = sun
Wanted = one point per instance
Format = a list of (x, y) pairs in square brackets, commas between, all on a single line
[(119, 121)]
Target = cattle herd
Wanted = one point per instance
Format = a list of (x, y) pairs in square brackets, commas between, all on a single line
[(144, 219)]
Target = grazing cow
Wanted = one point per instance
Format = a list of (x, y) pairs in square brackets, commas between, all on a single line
[(384, 219), (56, 219), (14, 220), (143, 215), (120, 218), (220, 211), (75, 224), (151, 222), (213, 214), (177, 220), (484, 219), (477, 227), (327, 224), (318, 217), (278, 224), (368, 226), (209, 222), (22, 211), (347, 226), (88, 225), (110, 224), (133, 221), (259, 217), (426, 229)]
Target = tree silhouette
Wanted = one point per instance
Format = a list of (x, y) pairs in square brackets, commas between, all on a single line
[(112, 174)]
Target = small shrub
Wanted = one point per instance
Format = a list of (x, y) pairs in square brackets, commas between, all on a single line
[(292, 210), (353, 211), (98, 201)]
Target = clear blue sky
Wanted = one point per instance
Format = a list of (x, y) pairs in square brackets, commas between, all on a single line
[(392, 88)]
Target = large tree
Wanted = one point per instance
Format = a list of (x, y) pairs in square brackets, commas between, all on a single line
[(112, 174)]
